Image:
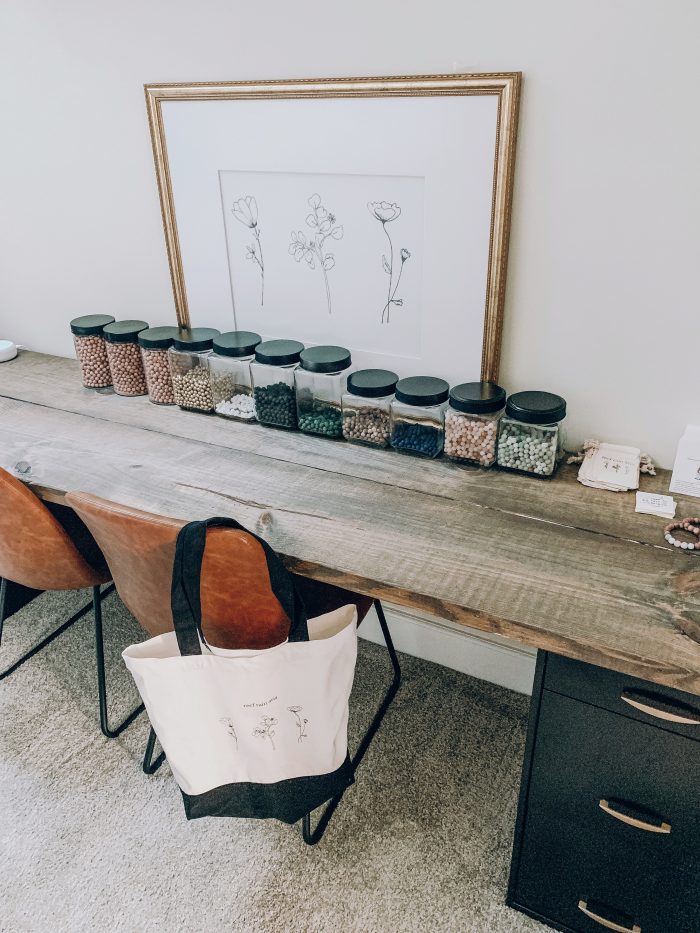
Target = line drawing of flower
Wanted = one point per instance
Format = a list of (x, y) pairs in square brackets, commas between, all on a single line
[(323, 225), (386, 212), (301, 723), (230, 728), (266, 729), (245, 210)]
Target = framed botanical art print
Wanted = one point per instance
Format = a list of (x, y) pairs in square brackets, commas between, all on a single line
[(368, 212)]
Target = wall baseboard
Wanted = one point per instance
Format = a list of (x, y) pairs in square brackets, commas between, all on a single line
[(479, 654)]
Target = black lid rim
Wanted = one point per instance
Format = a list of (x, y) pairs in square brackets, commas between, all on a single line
[(536, 407), (278, 352), (237, 343), (195, 339), (157, 338), (325, 359), (85, 329), (422, 390), (377, 383), (477, 397), (124, 331)]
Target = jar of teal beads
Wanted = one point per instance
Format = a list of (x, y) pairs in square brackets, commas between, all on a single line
[(321, 379), (531, 438)]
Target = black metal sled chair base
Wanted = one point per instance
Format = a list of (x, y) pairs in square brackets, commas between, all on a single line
[(149, 765)]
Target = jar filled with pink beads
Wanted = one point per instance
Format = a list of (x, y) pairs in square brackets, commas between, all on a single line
[(471, 422)]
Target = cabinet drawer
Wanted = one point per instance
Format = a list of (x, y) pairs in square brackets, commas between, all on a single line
[(624, 782), (637, 699)]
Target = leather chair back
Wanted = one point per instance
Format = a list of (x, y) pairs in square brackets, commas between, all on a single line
[(35, 550)]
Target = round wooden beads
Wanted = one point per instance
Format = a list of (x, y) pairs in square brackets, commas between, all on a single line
[(158, 379), (126, 367), (366, 425), (94, 364), (470, 438), (690, 525), (192, 389)]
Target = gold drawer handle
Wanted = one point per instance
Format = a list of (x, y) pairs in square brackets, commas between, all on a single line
[(619, 814), (659, 708), (611, 925)]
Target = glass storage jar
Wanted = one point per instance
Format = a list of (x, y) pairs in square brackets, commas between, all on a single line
[(155, 343), (188, 359), (367, 406), (471, 422), (125, 364), (531, 438), (418, 415), (229, 374), (320, 379), (272, 372), (89, 343)]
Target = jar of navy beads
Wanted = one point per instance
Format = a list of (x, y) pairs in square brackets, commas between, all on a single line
[(471, 422), (124, 355), (272, 372), (229, 374), (189, 366), (417, 415), (320, 381), (367, 406), (531, 439)]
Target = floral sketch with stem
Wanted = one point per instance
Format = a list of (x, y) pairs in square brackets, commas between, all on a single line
[(386, 212), (312, 249), (230, 728), (266, 729), (301, 723), (245, 210)]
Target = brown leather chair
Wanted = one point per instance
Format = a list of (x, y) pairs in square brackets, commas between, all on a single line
[(46, 547)]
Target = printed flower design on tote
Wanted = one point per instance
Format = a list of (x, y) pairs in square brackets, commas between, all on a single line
[(245, 210), (301, 722), (387, 212), (230, 728), (312, 250), (266, 730)]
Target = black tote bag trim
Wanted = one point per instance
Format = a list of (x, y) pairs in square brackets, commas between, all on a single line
[(287, 801)]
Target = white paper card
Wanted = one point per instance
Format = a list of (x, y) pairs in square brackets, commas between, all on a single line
[(686, 469), (651, 503)]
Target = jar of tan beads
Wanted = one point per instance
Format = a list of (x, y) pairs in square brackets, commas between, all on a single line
[(89, 342), (471, 422), (367, 407), (189, 366), (155, 343), (124, 357)]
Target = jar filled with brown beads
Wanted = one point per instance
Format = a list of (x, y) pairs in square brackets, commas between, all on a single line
[(471, 422), (124, 355), (89, 343), (189, 367), (155, 343), (367, 407)]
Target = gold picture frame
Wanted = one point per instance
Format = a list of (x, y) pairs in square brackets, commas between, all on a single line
[(506, 86)]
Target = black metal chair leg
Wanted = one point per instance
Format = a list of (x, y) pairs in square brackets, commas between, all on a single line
[(101, 679), (312, 837), (46, 641), (149, 765)]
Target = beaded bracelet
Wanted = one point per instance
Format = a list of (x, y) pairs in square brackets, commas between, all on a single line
[(692, 526)]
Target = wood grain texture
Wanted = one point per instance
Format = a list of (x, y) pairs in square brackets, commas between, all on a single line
[(551, 564)]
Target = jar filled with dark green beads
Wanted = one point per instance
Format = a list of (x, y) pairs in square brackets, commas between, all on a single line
[(272, 372), (418, 416), (321, 379)]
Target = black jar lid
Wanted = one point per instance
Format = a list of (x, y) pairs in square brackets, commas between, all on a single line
[(372, 383), (278, 352), (157, 338), (124, 331), (536, 407), (90, 324), (236, 343), (477, 398), (195, 339), (422, 390), (325, 359)]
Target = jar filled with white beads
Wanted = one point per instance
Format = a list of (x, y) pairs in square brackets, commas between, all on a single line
[(531, 438), (471, 422), (229, 374)]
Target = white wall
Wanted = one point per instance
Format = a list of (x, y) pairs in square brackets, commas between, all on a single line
[(602, 294)]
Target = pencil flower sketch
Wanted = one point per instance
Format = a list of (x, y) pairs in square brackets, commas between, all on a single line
[(311, 249), (386, 212), (301, 723), (266, 729), (245, 210), (230, 728)]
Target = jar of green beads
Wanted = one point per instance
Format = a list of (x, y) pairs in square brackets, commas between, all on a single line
[(272, 372), (531, 438), (321, 380)]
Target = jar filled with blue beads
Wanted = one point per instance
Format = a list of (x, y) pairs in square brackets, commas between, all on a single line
[(320, 380), (531, 438), (418, 416)]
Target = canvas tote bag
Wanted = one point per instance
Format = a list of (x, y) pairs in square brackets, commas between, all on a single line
[(249, 733)]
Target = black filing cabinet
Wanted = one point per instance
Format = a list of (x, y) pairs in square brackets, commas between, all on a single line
[(608, 829)]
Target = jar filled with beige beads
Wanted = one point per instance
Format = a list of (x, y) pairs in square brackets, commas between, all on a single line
[(189, 366), (89, 342), (124, 355), (367, 406), (155, 343), (471, 422)]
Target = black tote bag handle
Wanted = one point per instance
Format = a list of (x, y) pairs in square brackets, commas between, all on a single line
[(187, 573)]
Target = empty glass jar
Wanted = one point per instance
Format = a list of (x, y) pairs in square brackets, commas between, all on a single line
[(229, 374), (320, 382), (417, 415), (189, 367), (367, 406), (471, 422), (272, 372), (89, 343), (124, 355), (155, 343), (531, 438)]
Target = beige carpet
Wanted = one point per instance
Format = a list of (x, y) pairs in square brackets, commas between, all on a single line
[(89, 843)]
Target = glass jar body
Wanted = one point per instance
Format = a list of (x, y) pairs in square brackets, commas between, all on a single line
[(126, 367), (273, 391), (319, 399), (158, 379), (417, 429), (535, 449), (367, 420), (470, 437), (91, 351), (232, 386), (189, 370)]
